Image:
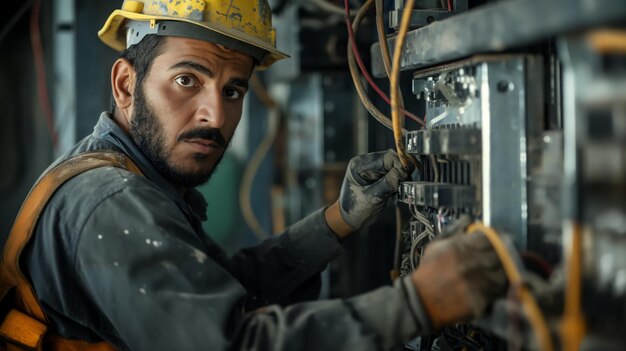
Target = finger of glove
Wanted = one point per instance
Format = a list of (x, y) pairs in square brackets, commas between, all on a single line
[(477, 301), (371, 175), (496, 282), (437, 247), (454, 238), (470, 270), (380, 189), (392, 160), (360, 204), (395, 176), (478, 263), (485, 288), (474, 242), (472, 249), (367, 168), (480, 269)]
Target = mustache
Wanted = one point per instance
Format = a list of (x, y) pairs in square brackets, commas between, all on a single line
[(211, 134)]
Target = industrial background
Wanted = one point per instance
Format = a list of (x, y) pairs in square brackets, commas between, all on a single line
[(515, 114)]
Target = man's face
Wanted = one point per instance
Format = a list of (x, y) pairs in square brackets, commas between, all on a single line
[(188, 107)]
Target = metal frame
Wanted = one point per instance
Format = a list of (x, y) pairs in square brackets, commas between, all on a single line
[(504, 116), (498, 27)]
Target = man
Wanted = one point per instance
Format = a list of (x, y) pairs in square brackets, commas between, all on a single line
[(122, 259)]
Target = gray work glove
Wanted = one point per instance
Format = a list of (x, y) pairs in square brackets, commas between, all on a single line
[(370, 180), (459, 277)]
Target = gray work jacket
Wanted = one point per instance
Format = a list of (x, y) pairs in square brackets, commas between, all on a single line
[(123, 258)]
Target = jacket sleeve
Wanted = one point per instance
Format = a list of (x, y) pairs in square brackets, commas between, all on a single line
[(378, 320), (285, 269), (142, 280)]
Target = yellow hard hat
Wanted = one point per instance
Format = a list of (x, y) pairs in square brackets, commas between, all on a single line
[(243, 25)]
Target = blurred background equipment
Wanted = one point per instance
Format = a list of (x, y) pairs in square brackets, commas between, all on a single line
[(513, 112)]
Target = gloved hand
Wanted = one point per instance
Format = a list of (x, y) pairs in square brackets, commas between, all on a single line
[(370, 180), (459, 277)]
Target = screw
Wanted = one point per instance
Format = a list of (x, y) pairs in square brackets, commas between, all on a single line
[(505, 86)]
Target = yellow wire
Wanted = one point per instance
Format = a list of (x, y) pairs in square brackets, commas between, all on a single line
[(395, 75), (573, 327), (245, 187), (535, 316), (379, 116), (607, 41), (382, 40), (384, 49)]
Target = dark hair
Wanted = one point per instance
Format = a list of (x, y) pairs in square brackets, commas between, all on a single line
[(140, 56)]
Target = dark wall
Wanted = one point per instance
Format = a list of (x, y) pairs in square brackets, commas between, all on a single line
[(25, 143), (93, 60)]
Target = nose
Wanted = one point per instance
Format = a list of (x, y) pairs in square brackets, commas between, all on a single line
[(211, 110)]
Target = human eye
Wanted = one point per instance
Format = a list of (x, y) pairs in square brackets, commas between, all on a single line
[(186, 81), (232, 93)]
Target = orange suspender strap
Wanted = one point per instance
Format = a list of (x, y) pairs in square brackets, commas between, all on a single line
[(27, 330)]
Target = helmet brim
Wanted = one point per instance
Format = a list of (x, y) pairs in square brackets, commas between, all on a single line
[(113, 34)]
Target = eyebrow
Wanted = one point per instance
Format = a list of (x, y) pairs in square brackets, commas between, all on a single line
[(195, 66), (240, 82)]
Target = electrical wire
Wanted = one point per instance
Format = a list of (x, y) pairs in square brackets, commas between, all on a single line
[(463, 341), (440, 216), (367, 103), (607, 41), (428, 232), (359, 60), (433, 163), (450, 5), (40, 67), (417, 244), (245, 188), (573, 327), (413, 254), (535, 316), (393, 84), (384, 51), (437, 118), (405, 265), (395, 271), (384, 48), (382, 40), (332, 8)]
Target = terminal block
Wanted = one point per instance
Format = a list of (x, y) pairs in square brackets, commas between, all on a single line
[(436, 195), (444, 141)]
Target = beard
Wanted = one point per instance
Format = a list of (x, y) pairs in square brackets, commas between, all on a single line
[(147, 132)]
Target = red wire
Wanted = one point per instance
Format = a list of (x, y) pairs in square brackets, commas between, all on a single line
[(42, 89), (366, 74), (450, 5)]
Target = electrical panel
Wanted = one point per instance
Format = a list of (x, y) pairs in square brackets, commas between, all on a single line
[(524, 130)]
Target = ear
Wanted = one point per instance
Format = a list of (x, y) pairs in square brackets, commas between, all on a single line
[(122, 86)]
